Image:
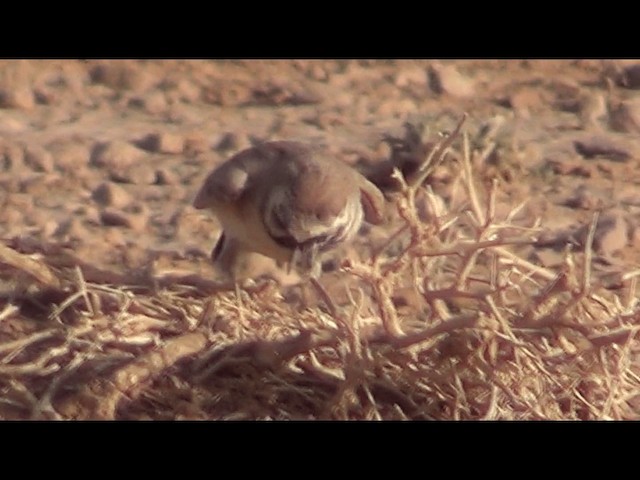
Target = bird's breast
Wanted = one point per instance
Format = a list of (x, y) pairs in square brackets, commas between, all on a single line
[(243, 222)]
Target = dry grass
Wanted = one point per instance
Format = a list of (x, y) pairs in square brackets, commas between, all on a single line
[(446, 319)]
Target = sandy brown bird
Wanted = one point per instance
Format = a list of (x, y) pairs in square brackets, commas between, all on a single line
[(288, 201)]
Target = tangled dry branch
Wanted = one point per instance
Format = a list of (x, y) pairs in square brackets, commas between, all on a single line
[(446, 319)]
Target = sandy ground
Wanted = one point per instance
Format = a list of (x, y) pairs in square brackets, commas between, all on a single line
[(104, 157)]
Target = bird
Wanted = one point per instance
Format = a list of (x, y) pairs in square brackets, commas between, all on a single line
[(289, 201)]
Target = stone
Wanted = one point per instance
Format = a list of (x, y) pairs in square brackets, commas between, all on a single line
[(625, 116), (606, 146), (20, 98), (113, 217), (153, 102), (121, 75), (584, 199), (138, 174), (195, 143), (592, 109), (45, 96), (11, 157), (411, 75), (611, 233), (525, 101), (162, 143), (38, 159), (630, 76), (188, 91), (228, 141), (445, 79), (69, 155), (111, 194), (70, 228), (116, 156), (166, 176)]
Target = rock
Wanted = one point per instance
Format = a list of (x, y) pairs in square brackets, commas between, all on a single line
[(48, 228), (11, 157), (38, 159), (566, 95), (583, 198), (12, 220), (166, 176), (548, 257), (138, 174), (21, 98), (113, 217), (195, 143), (69, 155), (630, 76), (111, 194), (70, 228), (45, 96), (121, 75), (228, 141), (397, 108), (39, 184), (11, 126), (603, 146), (408, 76), (153, 102), (188, 91), (611, 235), (625, 116), (275, 93), (116, 156), (114, 237), (569, 166), (445, 79), (592, 109), (89, 212), (526, 100), (226, 93), (319, 73), (162, 143)]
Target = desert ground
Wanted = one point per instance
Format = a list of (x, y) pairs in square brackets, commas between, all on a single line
[(501, 285)]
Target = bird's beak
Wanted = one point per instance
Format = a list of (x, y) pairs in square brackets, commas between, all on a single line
[(306, 258)]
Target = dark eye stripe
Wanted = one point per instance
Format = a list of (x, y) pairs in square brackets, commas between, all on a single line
[(279, 231)]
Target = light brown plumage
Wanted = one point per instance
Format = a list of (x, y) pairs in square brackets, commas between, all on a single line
[(288, 201)]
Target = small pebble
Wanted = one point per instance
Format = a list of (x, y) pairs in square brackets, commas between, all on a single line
[(112, 195)]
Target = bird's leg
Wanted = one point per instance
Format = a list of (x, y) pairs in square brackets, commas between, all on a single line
[(239, 277), (295, 258), (229, 256)]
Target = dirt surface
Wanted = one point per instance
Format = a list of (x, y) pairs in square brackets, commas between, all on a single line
[(103, 158), (107, 155)]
